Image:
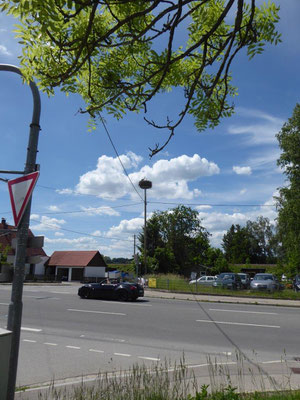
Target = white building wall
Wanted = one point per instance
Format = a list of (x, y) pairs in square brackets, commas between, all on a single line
[(97, 272), (40, 267)]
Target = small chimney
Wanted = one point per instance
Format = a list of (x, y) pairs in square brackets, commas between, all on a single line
[(3, 222)]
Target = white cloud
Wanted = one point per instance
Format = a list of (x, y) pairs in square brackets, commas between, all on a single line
[(170, 178), (243, 191), (46, 223), (59, 234), (242, 170), (203, 207), (126, 228), (100, 211), (54, 208), (65, 191), (4, 51), (108, 180), (262, 132)]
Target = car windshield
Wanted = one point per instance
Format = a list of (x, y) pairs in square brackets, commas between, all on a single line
[(243, 276), (225, 276), (263, 278)]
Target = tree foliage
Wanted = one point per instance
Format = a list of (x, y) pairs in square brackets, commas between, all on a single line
[(254, 243), (288, 201), (119, 54), (176, 241)]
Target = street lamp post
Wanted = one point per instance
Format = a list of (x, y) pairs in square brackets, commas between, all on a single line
[(144, 184), (16, 305)]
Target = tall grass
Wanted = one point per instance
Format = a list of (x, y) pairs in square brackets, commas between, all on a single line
[(227, 381)]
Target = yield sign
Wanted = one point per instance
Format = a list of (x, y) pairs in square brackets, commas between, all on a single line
[(20, 190)]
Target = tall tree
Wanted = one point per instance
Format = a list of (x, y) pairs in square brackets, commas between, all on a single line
[(288, 201), (263, 246), (236, 244), (255, 242), (118, 54), (176, 241)]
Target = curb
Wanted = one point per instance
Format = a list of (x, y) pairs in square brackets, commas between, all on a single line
[(221, 299)]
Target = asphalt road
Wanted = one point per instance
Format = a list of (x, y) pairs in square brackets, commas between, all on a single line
[(65, 336)]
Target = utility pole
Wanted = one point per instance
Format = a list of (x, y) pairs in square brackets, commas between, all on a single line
[(144, 184), (16, 305)]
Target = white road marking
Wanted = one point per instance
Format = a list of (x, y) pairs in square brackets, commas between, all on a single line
[(30, 329), (240, 311), (207, 364), (96, 351), (52, 291), (128, 304), (73, 347), (96, 312), (272, 362), (149, 358), (122, 354), (237, 323), (50, 344), (30, 341), (4, 304)]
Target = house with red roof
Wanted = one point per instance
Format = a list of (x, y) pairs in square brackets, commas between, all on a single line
[(35, 257), (76, 265)]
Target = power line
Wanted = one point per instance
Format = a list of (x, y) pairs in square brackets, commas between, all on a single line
[(87, 211), (117, 154), (214, 205)]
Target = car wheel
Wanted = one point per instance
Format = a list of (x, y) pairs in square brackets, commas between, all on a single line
[(122, 295), (85, 294)]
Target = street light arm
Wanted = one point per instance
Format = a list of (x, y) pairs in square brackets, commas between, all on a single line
[(35, 92), (16, 305)]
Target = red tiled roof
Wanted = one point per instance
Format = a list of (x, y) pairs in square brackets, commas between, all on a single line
[(9, 232), (76, 259)]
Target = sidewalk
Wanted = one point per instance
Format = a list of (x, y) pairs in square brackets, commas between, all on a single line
[(220, 299)]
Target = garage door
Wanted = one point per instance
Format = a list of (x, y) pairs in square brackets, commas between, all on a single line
[(77, 274)]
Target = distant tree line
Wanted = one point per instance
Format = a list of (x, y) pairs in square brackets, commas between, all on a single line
[(118, 260)]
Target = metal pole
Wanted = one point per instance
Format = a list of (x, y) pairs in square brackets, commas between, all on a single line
[(134, 258), (145, 232), (16, 305)]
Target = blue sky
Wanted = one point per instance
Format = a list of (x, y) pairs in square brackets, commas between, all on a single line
[(84, 201)]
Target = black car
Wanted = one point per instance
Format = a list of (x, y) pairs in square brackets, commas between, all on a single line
[(112, 290), (296, 283)]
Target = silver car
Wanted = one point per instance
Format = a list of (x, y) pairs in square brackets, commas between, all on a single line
[(267, 282), (203, 280)]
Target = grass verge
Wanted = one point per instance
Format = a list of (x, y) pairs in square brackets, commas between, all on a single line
[(179, 382)]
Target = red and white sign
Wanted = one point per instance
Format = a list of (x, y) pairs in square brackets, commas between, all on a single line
[(20, 190)]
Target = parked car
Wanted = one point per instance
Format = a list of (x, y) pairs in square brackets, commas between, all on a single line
[(203, 280), (267, 282), (112, 290), (296, 283), (245, 278), (228, 280)]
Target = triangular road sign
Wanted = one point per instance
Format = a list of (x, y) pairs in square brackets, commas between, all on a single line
[(20, 190)]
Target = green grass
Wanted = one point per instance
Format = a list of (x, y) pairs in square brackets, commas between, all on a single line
[(176, 283), (171, 382)]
